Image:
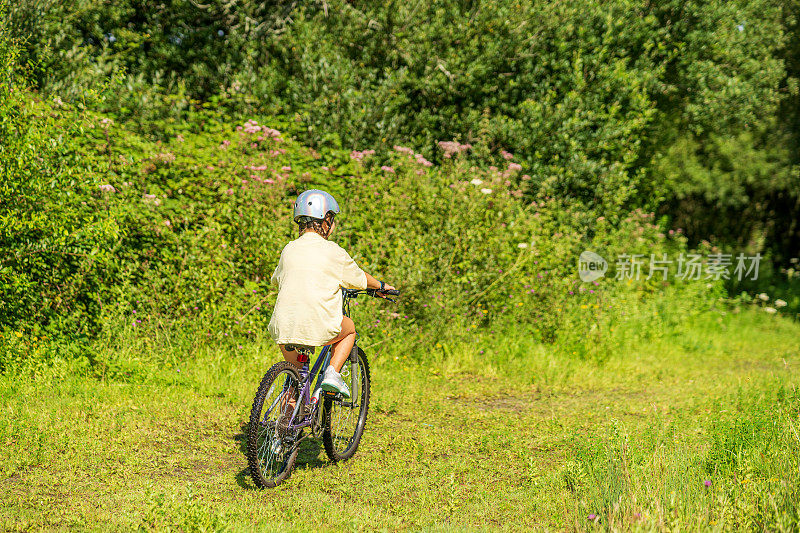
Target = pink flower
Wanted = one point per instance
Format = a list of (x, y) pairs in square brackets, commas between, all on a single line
[(269, 180), (403, 150), (151, 198), (286, 168), (387, 169), (107, 188), (506, 155), (422, 161), (515, 167), (358, 156), (167, 223), (451, 148), (209, 167), (251, 126)]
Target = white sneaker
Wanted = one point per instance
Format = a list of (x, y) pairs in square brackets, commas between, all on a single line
[(332, 382)]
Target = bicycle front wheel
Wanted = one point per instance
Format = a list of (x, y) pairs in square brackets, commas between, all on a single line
[(345, 419), (271, 450)]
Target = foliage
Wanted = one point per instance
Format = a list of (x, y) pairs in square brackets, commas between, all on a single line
[(55, 237), (598, 99), (173, 203)]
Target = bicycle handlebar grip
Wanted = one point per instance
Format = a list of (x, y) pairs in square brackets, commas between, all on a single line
[(376, 292)]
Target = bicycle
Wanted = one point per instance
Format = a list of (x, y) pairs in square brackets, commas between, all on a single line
[(274, 433)]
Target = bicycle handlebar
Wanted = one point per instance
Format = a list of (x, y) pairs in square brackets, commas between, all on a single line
[(375, 293)]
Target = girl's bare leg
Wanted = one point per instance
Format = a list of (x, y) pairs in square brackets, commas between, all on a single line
[(290, 357), (343, 344)]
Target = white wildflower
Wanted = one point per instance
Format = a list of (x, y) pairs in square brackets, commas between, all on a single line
[(476, 181), (522, 245), (486, 191), (763, 297), (780, 303), (770, 310)]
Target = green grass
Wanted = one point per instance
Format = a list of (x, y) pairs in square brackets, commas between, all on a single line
[(520, 437)]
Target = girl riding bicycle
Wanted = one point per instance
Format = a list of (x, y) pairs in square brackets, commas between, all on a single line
[(310, 274)]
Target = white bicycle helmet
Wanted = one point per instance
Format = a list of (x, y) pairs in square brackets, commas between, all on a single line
[(314, 203)]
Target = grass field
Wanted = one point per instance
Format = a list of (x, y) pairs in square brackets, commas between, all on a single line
[(697, 430)]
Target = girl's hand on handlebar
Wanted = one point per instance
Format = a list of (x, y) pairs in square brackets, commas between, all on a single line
[(381, 293)]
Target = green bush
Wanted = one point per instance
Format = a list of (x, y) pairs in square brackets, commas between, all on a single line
[(178, 246), (54, 232)]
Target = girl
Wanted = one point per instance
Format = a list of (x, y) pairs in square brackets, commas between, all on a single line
[(309, 274)]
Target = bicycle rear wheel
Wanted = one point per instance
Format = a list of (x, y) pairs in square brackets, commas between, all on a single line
[(270, 448), (345, 419)]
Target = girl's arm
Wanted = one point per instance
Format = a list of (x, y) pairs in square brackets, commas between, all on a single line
[(373, 283)]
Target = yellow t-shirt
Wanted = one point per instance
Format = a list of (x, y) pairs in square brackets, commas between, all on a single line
[(309, 274)]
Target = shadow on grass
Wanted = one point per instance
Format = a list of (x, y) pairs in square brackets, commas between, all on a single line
[(310, 455)]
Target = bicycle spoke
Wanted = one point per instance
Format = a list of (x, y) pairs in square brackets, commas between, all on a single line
[(271, 407)]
